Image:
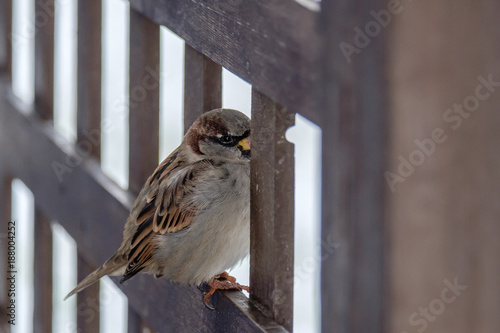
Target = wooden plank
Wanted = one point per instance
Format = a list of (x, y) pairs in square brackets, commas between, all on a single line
[(272, 209), (443, 221), (252, 39), (159, 302), (44, 58), (144, 99), (354, 150), (88, 127), (202, 85), (67, 198), (6, 38), (88, 311), (135, 323), (42, 316)]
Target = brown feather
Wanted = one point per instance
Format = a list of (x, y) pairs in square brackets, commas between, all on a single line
[(139, 261), (162, 213)]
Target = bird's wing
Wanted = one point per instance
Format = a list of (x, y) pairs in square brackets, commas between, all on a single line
[(164, 210)]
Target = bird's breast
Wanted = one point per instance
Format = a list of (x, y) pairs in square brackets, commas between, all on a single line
[(219, 236)]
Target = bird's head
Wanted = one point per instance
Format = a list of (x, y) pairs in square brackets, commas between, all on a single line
[(220, 134)]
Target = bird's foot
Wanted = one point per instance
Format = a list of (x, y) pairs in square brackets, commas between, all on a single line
[(223, 281)]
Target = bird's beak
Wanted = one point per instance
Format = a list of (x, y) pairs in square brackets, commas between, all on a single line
[(244, 146)]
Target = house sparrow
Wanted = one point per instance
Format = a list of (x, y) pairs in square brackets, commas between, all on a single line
[(191, 220)]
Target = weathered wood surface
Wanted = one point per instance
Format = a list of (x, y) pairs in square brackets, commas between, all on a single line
[(42, 271), (443, 222), (89, 71), (144, 99), (272, 209), (354, 126), (88, 308), (89, 204), (6, 38), (44, 60), (252, 39), (144, 106), (202, 85)]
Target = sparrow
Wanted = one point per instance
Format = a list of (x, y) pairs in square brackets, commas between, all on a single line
[(191, 219)]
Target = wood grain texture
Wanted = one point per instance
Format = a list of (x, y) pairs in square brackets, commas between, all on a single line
[(44, 58), (31, 145), (252, 39), (202, 85), (144, 99), (88, 126), (272, 209), (354, 150), (42, 309), (6, 38), (88, 308), (444, 217)]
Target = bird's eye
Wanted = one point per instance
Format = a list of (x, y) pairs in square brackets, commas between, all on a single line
[(225, 139)]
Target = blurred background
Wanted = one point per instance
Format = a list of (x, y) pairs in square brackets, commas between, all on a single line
[(436, 69), (236, 94)]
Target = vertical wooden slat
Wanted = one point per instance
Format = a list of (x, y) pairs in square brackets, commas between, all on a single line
[(88, 300), (353, 112), (202, 85), (443, 220), (89, 69), (272, 209), (5, 215), (42, 316), (135, 323), (44, 106), (144, 99), (89, 75), (5, 38), (144, 112), (44, 58)]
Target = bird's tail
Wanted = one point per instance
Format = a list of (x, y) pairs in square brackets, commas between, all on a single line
[(116, 264)]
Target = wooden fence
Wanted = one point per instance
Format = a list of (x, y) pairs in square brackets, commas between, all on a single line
[(358, 87)]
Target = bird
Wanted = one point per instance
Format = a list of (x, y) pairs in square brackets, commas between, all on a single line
[(190, 222)]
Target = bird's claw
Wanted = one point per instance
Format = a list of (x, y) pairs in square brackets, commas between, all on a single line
[(206, 301), (222, 282)]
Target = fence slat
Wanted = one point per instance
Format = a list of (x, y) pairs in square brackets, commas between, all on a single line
[(42, 316), (270, 44), (202, 85), (88, 300), (272, 210), (86, 187), (135, 323), (144, 112), (6, 38), (88, 128), (354, 125), (144, 99), (89, 131), (44, 58)]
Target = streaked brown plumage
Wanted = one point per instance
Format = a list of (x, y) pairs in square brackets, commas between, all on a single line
[(190, 221)]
